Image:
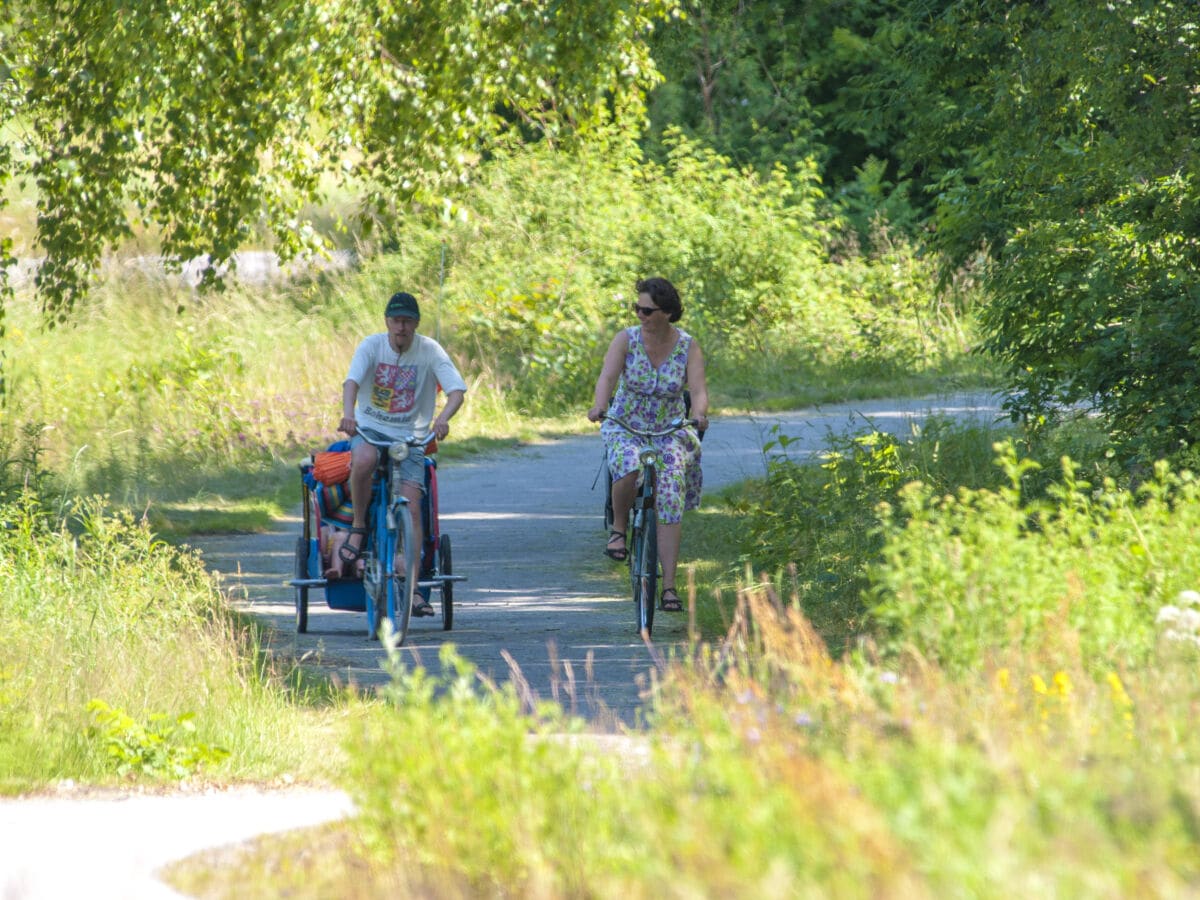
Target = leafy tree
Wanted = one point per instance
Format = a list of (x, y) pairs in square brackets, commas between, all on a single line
[(205, 121), (767, 82), (1062, 139)]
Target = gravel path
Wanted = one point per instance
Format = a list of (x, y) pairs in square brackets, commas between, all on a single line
[(527, 532)]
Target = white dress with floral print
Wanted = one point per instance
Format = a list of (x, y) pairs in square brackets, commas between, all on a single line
[(649, 398)]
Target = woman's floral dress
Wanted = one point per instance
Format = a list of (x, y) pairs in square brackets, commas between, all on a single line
[(649, 398)]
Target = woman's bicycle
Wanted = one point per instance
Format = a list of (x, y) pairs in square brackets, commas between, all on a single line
[(643, 520), (393, 567)]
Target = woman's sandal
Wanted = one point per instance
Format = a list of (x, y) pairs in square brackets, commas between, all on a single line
[(670, 601), (617, 553), (347, 554)]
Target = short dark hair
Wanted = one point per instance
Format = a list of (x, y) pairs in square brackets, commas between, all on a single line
[(664, 295)]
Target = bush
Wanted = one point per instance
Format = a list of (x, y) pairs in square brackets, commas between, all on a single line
[(1083, 572)]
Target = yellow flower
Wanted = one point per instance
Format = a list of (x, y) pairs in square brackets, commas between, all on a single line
[(1117, 690), (1062, 683)]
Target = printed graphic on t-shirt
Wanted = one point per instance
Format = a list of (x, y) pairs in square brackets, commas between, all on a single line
[(394, 388)]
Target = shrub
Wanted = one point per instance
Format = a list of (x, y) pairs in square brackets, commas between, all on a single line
[(1084, 571)]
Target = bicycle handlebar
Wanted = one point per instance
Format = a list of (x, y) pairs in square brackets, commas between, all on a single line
[(674, 426), (412, 440)]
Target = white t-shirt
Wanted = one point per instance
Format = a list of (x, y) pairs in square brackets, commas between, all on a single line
[(397, 392)]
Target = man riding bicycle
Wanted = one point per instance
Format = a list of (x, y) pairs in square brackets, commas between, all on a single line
[(390, 393)]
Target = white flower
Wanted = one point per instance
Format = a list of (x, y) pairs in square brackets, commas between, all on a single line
[(1168, 614)]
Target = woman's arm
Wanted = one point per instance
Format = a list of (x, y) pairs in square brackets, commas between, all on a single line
[(697, 385), (610, 373)]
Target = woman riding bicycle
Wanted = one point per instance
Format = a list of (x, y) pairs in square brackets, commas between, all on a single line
[(649, 367)]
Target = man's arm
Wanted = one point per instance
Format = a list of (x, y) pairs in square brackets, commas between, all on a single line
[(349, 423), (441, 425)]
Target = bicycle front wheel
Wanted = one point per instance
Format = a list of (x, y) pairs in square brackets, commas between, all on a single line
[(608, 504), (643, 569), (402, 577)]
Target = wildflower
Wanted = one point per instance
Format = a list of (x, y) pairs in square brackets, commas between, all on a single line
[(1117, 690), (1062, 684), (1167, 614), (1039, 685), (1181, 623), (1189, 598), (1003, 679)]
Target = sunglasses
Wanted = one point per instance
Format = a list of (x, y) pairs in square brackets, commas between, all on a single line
[(645, 310)]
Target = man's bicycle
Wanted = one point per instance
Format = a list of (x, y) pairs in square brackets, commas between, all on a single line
[(642, 545), (393, 567)]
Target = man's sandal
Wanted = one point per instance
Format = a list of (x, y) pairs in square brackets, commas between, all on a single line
[(422, 607), (670, 601), (617, 553)]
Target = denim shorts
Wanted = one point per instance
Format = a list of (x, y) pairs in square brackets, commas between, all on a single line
[(412, 470)]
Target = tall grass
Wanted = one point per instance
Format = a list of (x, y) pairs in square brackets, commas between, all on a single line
[(774, 768), (120, 659), (1080, 574)]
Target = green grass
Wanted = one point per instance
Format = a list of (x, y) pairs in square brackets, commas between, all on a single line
[(773, 770), (122, 662)]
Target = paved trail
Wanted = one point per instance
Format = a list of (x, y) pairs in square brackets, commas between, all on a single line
[(527, 531)]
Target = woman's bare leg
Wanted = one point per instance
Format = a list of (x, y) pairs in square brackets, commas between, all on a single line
[(623, 491), (669, 536)]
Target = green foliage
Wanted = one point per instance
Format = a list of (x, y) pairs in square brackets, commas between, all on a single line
[(778, 771), (160, 748), (1083, 571), (1086, 212), (819, 519), (453, 775), (22, 469), (766, 83), (747, 249), (546, 249), (96, 607), (231, 117)]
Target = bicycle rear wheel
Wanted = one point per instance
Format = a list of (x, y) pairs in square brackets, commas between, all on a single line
[(643, 569), (446, 568), (402, 575), (302, 590)]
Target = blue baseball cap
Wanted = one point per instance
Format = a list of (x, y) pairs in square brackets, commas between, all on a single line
[(402, 304)]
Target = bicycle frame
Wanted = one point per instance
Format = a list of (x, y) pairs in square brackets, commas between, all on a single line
[(391, 559)]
